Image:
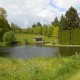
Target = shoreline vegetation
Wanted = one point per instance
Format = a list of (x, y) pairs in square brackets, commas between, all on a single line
[(21, 38), (2, 44), (60, 68)]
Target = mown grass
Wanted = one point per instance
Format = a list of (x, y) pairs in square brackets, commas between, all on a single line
[(30, 38), (2, 43), (64, 68)]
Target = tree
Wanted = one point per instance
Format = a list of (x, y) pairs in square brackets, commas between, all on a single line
[(16, 28), (39, 24), (4, 26), (72, 17), (45, 30), (28, 30), (50, 30), (63, 23), (55, 22), (3, 13), (55, 34), (34, 25), (9, 36), (37, 30)]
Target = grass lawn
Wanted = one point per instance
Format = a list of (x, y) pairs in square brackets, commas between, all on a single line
[(64, 68), (30, 37), (2, 43)]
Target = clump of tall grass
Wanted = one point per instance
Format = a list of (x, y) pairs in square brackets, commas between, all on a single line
[(39, 68)]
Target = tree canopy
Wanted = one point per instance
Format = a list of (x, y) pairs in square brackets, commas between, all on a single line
[(4, 26), (55, 22), (72, 18)]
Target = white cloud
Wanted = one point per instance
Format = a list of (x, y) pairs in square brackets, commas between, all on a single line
[(27, 12), (66, 3)]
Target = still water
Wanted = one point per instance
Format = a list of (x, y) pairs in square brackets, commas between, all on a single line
[(37, 51)]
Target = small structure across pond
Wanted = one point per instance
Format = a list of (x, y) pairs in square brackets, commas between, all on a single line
[(38, 40)]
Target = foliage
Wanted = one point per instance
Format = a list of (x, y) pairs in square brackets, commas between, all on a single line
[(3, 13), (63, 23), (55, 22), (4, 26), (15, 28), (39, 24), (65, 37), (34, 25), (50, 30), (69, 25), (45, 30), (55, 34), (0, 29), (29, 31), (72, 18), (9, 37), (37, 30)]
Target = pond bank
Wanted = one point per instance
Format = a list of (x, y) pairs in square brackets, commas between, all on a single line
[(63, 68), (66, 45)]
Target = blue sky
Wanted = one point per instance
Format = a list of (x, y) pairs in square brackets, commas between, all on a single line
[(27, 12)]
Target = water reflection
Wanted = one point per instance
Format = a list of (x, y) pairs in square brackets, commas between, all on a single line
[(4, 52), (37, 51), (69, 51), (29, 52)]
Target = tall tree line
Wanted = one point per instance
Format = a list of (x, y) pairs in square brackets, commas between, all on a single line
[(69, 22), (4, 26)]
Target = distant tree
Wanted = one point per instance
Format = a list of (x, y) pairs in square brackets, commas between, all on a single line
[(45, 30), (39, 24), (37, 30), (24, 31), (55, 34), (50, 30), (72, 17), (29, 30), (63, 23), (55, 22), (16, 28), (34, 25)]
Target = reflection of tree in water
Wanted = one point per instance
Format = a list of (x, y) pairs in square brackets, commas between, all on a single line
[(68, 51), (4, 53)]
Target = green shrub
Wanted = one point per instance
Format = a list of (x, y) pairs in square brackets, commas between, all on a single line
[(65, 35), (9, 36)]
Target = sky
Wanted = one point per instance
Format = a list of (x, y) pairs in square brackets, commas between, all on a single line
[(25, 13)]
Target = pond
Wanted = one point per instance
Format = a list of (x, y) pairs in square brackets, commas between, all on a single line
[(37, 51)]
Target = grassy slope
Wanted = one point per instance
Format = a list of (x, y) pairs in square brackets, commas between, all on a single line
[(67, 68), (30, 37)]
